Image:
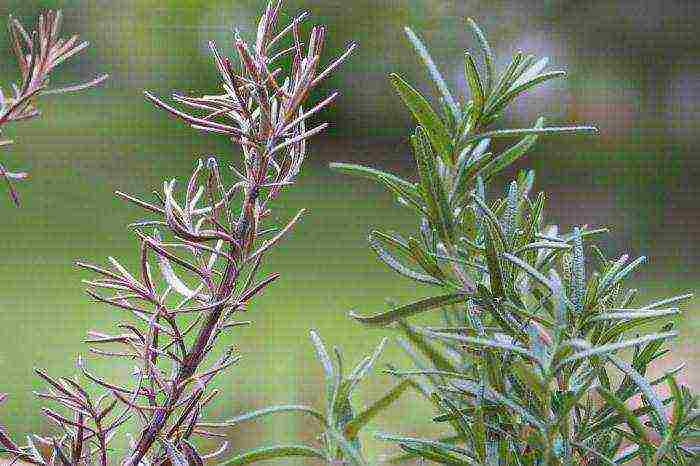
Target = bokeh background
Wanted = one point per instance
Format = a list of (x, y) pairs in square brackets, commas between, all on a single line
[(634, 70)]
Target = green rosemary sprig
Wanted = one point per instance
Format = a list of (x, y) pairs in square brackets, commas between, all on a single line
[(533, 335)]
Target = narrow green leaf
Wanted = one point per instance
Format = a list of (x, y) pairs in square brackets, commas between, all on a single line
[(322, 355), (487, 343), (530, 377), (427, 172), (511, 218), (486, 52), (532, 71), (609, 422), (277, 451), (370, 173), (426, 117), (433, 71), (667, 301), (361, 370), (425, 260), (439, 360), (625, 272), (475, 84), (420, 386), (392, 240), (644, 387), (408, 310), (609, 269), (494, 247), (612, 347), (411, 197), (632, 421), (512, 154), (466, 174), (266, 412), (353, 427), (616, 314), (394, 264), (510, 133), (456, 417), (506, 80), (530, 270), (578, 272), (522, 87), (404, 457), (495, 396), (441, 452), (489, 215), (678, 404), (434, 191)]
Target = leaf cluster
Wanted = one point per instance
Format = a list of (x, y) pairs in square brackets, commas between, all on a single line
[(541, 354), (37, 53)]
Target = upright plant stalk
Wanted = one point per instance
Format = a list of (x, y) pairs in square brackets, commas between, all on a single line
[(265, 111), (37, 53)]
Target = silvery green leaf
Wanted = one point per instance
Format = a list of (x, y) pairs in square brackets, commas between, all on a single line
[(613, 347), (476, 86), (360, 420), (443, 453), (434, 72), (507, 78), (512, 154), (331, 376), (530, 270), (409, 310), (486, 53), (487, 343), (510, 133), (644, 387), (393, 263), (578, 271), (361, 370), (249, 416), (437, 357), (520, 87), (426, 117), (273, 452), (667, 301), (369, 173)]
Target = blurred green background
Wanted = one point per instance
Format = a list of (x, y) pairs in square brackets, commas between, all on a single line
[(634, 71)]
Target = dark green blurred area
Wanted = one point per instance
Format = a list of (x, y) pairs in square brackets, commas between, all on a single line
[(634, 71)]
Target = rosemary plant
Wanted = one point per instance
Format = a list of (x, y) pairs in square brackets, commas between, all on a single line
[(200, 261), (37, 55), (528, 365)]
